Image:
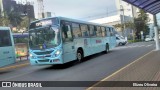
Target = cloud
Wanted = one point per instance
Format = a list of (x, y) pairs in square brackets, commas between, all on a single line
[(79, 9)]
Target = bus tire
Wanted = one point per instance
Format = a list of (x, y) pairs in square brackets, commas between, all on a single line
[(107, 48), (79, 55), (120, 44)]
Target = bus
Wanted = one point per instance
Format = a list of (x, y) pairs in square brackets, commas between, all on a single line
[(7, 50), (21, 44), (59, 40)]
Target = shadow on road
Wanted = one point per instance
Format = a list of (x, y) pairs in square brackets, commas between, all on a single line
[(74, 63), (4, 72)]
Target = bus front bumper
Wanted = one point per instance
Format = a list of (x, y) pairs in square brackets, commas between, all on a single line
[(46, 61)]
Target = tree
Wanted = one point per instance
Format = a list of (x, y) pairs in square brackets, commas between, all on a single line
[(128, 24), (24, 23), (15, 18), (141, 23), (4, 20)]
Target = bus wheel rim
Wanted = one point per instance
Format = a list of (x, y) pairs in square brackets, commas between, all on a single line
[(79, 56)]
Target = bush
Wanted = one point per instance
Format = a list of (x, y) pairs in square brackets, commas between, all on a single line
[(133, 41)]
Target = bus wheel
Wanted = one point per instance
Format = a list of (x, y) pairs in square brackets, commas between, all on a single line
[(120, 44), (79, 55), (107, 48)]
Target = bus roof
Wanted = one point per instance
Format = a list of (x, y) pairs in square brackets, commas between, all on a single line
[(4, 28), (20, 35), (72, 20)]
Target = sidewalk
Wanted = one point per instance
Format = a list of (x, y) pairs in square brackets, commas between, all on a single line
[(19, 63), (146, 68)]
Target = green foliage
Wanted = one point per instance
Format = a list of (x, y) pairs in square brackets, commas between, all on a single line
[(24, 23), (133, 41), (15, 18), (141, 23), (4, 20)]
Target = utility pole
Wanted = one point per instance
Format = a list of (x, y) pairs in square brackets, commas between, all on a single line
[(156, 32), (133, 29), (123, 19)]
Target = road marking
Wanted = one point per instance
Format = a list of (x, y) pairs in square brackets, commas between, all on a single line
[(149, 45), (116, 72), (132, 46), (15, 66)]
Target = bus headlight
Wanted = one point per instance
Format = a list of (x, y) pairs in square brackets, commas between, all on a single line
[(58, 52), (31, 56)]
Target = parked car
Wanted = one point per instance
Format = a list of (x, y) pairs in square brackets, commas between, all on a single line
[(148, 38), (120, 41)]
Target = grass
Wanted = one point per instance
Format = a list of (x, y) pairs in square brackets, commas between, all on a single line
[(133, 41)]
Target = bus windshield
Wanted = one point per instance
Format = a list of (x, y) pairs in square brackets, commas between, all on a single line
[(44, 37)]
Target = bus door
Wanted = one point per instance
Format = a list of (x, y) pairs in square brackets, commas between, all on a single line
[(92, 42), (68, 44), (108, 36)]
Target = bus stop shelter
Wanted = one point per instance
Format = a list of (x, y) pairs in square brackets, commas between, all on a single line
[(150, 6)]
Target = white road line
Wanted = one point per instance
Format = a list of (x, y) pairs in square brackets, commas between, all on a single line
[(149, 45)]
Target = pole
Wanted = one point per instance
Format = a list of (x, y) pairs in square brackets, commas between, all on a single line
[(133, 29), (123, 18), (156, 33)]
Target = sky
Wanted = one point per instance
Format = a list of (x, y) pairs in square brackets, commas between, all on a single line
[(78, 9)]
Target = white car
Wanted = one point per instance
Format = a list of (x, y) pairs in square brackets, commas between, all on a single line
[(120, 41), (148, 39)]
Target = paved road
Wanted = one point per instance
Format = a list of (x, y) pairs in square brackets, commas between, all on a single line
[(95, 68)]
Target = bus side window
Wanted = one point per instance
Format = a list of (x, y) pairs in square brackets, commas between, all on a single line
[(114, 31), (107, 31), (84, 30), (92, 30), (5, 39), (76, 30), (103, 31), (99, 32), (66, 32)]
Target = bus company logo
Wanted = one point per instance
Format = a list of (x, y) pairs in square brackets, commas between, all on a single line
[(98, 41), (6, 84), (44, 23)]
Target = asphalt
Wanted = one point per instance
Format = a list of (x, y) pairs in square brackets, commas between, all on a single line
[(94, 68)]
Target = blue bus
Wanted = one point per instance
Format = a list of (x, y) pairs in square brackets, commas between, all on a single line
[(7, 50), (20, 35), (59, 40)]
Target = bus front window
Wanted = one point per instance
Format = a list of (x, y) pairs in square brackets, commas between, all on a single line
[(45, 37)]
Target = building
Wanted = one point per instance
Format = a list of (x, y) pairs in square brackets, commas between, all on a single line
[(47, 14), (22, 9), (125, 13), (6, 5)]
